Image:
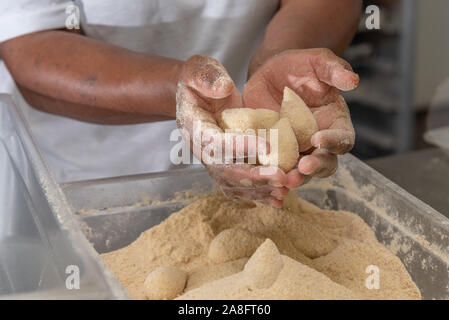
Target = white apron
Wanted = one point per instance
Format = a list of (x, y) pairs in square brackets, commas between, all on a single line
[(228, 30)]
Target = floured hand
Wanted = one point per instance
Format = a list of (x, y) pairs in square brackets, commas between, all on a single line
[(204, 90), (317, 76)]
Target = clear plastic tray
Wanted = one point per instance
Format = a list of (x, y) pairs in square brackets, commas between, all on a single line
[(41, 244), (113, 212)]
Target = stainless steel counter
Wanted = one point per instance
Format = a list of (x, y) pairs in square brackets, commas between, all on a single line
[(424, 173)]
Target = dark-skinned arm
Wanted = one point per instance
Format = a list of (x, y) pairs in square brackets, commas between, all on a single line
[(75, 76), (304, 24)]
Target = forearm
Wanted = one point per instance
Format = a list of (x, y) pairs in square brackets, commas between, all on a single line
[(86, 79), (303, 24)]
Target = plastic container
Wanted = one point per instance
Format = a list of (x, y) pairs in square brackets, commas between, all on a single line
[(111, 213), (114, 212), (43, 252)]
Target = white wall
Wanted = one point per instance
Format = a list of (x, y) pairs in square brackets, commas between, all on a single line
[(432, 49)]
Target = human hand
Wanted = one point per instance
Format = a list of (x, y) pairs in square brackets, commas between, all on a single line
[(204, 90), (317, 76)]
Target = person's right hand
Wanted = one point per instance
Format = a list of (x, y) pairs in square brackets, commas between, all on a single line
[(204, 90)]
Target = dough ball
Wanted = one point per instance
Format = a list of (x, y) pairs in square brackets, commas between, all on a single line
[(301, 118), (238, 119), (266, 118), (287, 154), (311, 242), (264, 266), (232, 244), (165, 283), (242, 119)]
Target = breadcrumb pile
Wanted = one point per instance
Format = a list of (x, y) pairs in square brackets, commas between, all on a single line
[(235, 249)]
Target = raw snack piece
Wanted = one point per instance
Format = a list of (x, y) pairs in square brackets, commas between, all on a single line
[(243, 119), (232, 244), (287, 154), (301, 118), (295, 124), (264, 266), (165, 283)]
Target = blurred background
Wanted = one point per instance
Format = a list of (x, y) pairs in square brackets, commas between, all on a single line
[(403, 67)]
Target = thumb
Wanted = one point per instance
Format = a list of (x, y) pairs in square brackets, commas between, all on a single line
[(208, 77), (335, 71)]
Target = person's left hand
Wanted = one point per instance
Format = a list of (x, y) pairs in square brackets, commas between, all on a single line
[(317, 76)]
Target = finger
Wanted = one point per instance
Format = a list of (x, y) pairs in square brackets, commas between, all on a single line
[(295, 179), (320, 163), (190, 117), (236, 175), (241, 195), (279, 193), (314, 92), (325, 115), (191, 110), (210, 86), (334, 71), (336, 132), (232, 176), (208, 77), (272, 176), (336, 141), (253, 195), (236, 183), (233, 193)]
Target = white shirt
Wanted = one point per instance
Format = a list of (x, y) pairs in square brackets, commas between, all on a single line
[(228, 30)]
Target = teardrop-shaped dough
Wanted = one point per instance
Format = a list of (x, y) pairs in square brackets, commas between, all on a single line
[(266, 118), (301, 118), (287, 154), (264, 266), (233, 244)]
